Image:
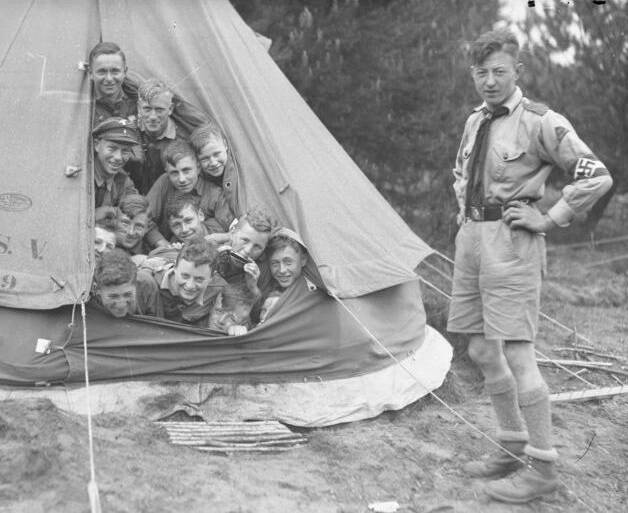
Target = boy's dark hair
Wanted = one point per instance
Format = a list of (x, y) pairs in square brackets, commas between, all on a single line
[(107, 223), (114, 267), (204, 133), (277, 242), (176, 204), (237, 294), (494, 41), (133, 204), (176, 150), (106, 48), (258, 219), (199, 252)]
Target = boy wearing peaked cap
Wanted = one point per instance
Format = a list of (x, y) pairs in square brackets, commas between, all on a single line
[(113, 142)]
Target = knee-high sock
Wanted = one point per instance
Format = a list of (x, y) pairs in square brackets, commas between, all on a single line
[(535, 407), (503, 394)]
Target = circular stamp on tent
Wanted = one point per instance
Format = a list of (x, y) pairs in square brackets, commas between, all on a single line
[(14, 202)]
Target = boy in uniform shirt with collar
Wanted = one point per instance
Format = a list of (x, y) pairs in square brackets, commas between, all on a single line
[(107, 71), (121, 289), (217, 167), (157, 130), (509, 147), (187, 288), (182, 177), (114, 139), (287, 258), (185, 219)]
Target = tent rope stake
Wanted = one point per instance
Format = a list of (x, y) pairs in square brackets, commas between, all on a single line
[(442, 401), (92, 487)]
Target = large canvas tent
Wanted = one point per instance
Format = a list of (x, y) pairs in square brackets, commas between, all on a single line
[(287, 161)]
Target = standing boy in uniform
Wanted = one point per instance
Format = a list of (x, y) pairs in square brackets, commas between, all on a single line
[(509, 146)]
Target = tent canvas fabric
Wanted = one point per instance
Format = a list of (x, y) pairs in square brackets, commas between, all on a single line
[(286, 161)]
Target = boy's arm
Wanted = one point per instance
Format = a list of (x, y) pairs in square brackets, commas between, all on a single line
[(148, 297), (156, 203)]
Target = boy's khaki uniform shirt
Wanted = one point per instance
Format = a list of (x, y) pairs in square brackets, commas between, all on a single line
[(108, 191), (522, 149)]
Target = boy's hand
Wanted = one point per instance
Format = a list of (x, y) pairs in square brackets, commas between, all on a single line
[(252, 273), (176, 245), (218, 238), (522, 215), (237, 330), (138, 260)]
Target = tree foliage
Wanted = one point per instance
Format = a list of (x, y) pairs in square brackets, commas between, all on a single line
[(390, 80), (593, 90)]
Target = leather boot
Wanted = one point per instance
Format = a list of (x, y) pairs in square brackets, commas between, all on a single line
[(499, 464), (536, 479)]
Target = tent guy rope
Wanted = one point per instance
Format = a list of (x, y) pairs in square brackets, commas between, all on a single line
[(451, 409), (92, 487)]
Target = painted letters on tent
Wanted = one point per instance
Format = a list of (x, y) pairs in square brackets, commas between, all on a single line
[(286, 160)]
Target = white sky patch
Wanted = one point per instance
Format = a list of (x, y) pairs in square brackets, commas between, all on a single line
[(514, 12)]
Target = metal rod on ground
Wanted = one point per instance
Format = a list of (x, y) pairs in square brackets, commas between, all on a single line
[(583, 350), (585, 244), (607, 261), (587, 395), (577, 363)]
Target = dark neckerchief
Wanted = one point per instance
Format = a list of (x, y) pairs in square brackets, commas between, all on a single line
[(477, 159)]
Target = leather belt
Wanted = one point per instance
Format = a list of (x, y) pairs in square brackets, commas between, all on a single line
[(484, 213), (480, 213)]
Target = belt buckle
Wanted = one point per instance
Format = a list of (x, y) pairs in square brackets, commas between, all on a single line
[(477, 213)]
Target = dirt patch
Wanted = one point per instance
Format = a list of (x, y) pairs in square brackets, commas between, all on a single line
[(412, 456)]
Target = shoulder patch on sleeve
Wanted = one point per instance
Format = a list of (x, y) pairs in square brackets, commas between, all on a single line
[(560, 132), (536, 107)]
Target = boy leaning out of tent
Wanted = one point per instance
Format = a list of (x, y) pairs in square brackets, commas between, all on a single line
[(121, 290), (287, 257)]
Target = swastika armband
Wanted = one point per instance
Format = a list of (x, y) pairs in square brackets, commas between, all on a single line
[(588, 168)]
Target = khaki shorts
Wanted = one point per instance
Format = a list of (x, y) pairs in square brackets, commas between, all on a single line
[(497, 281)]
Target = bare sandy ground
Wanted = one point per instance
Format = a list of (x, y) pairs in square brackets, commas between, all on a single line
[(412, 456)]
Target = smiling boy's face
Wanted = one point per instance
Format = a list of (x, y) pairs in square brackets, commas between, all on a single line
[(119, 300), (112, 155), (213, 157), (286, 265), (191, 280)]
